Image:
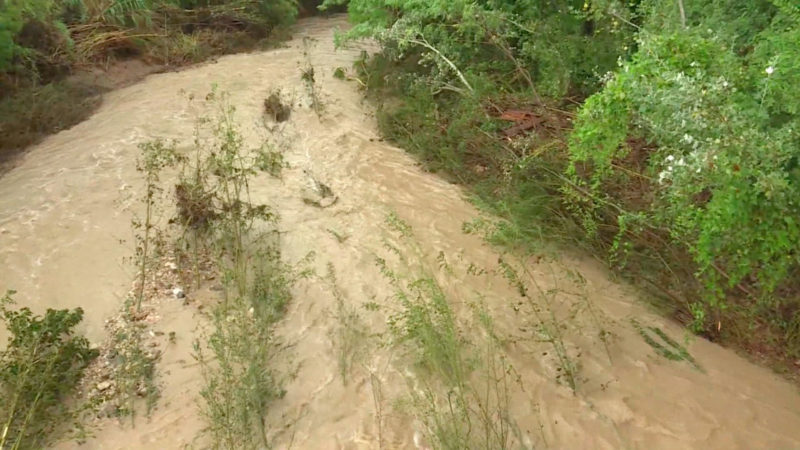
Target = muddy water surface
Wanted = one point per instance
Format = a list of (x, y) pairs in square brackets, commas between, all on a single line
[(66, 208)]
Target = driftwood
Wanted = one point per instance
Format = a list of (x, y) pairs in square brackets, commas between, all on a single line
[(525, 120)]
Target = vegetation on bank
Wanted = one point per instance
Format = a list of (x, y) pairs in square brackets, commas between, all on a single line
[(43, 42), (40, 366), (660, 135)]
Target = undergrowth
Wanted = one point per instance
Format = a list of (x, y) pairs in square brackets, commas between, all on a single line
[(350, 336), (461, 388)]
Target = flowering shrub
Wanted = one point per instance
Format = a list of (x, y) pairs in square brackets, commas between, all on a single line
[(726, 172)]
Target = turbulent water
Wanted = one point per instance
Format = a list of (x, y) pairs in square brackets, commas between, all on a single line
[(65, 215)]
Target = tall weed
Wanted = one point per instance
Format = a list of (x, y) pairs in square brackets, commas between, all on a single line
[(216, 217)]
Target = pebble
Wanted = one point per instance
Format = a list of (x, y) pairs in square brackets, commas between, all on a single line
[(178, 293), (103, 386)]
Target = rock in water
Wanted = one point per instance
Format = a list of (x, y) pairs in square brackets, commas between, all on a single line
[(317, 193), (275, 109)]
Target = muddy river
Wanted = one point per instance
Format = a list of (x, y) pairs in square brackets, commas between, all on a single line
[(65, 230)]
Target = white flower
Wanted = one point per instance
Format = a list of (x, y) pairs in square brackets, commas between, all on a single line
[(769, 70), (670, 158)]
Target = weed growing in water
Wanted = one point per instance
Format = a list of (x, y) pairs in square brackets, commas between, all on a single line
[(309, 79), (135, 367), (156, 156), (377, 400), (668, 347), (339, 73), (213, 194), (549, 325), (270, 160), (350, 335), (240, 380), (276, 108), (340, 238), (460, 389), (215, 212), (395, 223)]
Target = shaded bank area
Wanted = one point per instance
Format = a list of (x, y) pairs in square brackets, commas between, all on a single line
[(30, 114)]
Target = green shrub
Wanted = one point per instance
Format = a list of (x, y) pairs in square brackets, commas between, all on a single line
[(39, 368), (556, 48), (725, 158)]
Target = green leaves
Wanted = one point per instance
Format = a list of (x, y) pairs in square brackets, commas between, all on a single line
[(531, 43), (688, 136), (723, 120), (11, 21), (41, 364)]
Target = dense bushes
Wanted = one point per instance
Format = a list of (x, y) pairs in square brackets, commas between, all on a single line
[(33, 33), (681, 163), (719, 106), (505, 43)]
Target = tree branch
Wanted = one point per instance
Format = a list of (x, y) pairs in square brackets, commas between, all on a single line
[(452, 65)]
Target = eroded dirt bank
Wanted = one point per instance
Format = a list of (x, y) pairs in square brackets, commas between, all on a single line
[(67, 206)]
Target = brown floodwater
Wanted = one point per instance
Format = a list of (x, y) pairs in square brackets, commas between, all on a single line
[(65, 229)]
